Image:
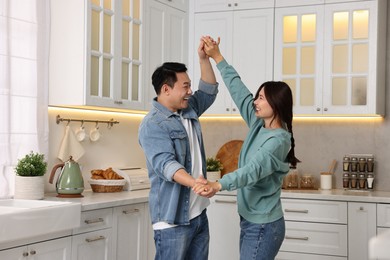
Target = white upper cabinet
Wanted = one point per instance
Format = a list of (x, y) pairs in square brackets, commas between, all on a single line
[(166, 39), (96, 53), (246, 43), (228, 5), (333, 57)]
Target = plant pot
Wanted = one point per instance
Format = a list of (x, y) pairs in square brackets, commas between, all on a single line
[(213, 176), (29, 187)]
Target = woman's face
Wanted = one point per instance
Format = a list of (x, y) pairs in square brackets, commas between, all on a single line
[(262, 107)]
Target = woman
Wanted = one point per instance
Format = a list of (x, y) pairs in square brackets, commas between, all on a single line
[(264, 160)]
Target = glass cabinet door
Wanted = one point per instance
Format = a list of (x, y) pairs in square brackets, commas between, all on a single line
[(348, 63), (298, 55), (131, 58), (115, 53), (101, 54)]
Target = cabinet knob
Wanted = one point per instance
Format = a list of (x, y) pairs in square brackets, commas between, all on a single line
[(325, 109), (318, 109), (234, 110), (229, 5), (25, 254), (33, 252), (227, 109), (361, 208), (235, 4)]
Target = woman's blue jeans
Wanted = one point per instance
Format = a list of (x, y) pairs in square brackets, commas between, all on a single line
[(184, 242), (261, 241)]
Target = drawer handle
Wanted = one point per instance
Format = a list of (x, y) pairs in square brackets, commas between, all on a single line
[(226, 201), (297, 210), (118, 102), (130, 211), (93, 221), (297, 238), (89, 240)]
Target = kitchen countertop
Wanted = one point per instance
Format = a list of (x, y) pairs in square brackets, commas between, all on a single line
[(340, 195), (93, 200)]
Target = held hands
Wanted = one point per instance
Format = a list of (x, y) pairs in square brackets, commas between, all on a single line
[(211, 48), (206, 188)]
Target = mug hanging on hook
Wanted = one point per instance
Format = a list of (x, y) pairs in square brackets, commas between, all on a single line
[(94, 135), (80, 133)]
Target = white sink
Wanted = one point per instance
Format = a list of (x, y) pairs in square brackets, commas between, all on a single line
[(21, 219)]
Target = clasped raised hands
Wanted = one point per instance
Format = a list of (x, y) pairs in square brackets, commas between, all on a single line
[(206, 188)]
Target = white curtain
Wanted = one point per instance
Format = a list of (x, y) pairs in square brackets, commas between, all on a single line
[(24, 51)]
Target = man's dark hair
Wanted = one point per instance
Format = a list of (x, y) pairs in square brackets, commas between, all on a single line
[(166, 74)]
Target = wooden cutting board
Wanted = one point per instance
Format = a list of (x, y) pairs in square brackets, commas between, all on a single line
[(228, 155)]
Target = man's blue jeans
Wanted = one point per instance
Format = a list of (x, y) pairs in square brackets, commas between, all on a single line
[(184, 242), (261, 241)]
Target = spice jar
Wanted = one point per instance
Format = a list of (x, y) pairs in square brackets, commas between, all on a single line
[(353, 180), (362, 181), (362, 164), (346, 163), (307, 181), (354, 164), (345, 180), (370, 164), (370, 181)]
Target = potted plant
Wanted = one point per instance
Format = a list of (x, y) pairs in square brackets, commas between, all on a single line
[(29, 180), (213, 167)]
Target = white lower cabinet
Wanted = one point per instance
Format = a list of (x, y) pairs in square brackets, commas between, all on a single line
[(93, 239), (361, 227), (314, 229), (224, 225), (58, 249), (130, 232), (95, 245)]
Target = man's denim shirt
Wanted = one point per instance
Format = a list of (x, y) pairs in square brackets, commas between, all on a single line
[(166, 146)]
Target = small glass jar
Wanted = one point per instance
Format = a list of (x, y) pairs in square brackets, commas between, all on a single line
[(354, 164), (362, 164), (345, 180), (291, 179), (370, 181), (307, 182), (353, 180), (362, 181), (346, 163), (370, 164)]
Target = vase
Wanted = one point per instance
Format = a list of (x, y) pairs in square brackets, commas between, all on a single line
[(29, 187), (213, 176)]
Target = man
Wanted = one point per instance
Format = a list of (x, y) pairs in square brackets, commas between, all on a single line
[(171, 138)]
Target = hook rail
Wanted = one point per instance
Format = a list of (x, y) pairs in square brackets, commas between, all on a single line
[(109, 123)]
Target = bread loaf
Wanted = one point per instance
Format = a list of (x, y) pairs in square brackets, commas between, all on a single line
[(108, 174)]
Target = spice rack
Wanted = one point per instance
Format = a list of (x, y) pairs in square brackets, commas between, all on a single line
[(358, 171)]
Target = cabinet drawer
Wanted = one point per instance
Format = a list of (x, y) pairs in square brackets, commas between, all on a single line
[(299, 256), (94, 220), (315, 238), (92, 245), (315, 211), (383, 213)]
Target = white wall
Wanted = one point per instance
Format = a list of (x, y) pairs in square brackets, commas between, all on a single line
[(318, 142)]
